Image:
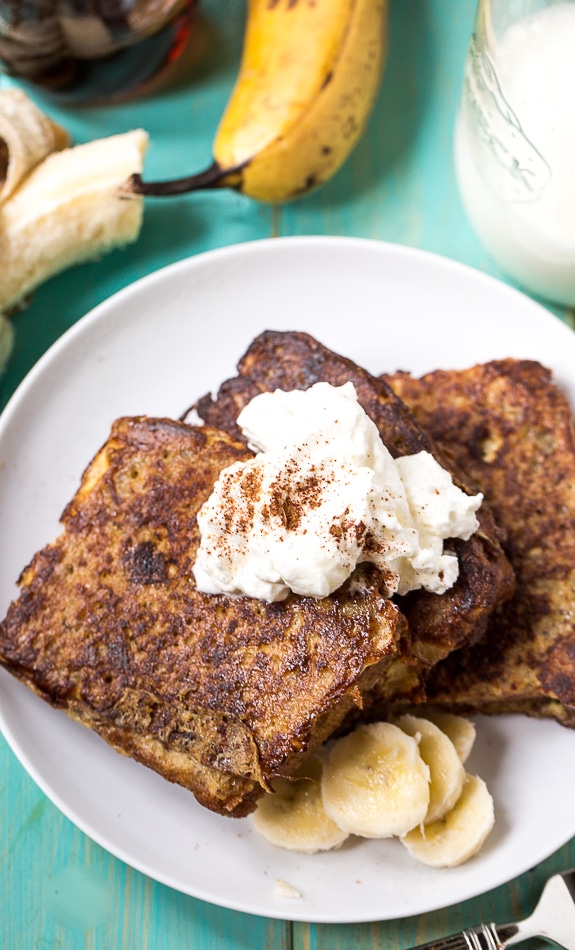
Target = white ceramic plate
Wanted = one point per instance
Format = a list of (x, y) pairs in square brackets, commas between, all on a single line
[(155, 347)]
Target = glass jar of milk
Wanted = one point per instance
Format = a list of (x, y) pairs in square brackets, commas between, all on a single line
[(515, 140)]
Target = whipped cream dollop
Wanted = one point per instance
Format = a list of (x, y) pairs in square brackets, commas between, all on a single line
[(322, 495)]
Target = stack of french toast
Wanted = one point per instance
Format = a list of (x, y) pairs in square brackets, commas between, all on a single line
[(223, 694)]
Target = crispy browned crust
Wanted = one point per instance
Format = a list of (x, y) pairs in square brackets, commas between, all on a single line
[(438, 624), (510, 427), (214, 693)]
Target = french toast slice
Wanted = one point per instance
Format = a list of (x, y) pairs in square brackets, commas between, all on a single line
[(438, 624), (511, 429), (216, 694)]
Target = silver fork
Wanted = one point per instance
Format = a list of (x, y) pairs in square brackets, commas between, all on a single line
[(553, 919)]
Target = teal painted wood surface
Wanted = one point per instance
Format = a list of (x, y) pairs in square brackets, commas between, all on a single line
[(57, 888)]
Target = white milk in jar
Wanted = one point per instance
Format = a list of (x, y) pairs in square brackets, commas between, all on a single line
[(515, 149)]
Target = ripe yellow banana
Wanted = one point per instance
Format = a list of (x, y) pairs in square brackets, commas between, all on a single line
[(308, 79)]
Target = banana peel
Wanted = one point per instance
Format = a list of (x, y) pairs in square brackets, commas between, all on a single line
[(307, 82), (67, 211), (27, 137), (59, 205)]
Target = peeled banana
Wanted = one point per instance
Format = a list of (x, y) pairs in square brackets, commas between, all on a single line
[(67, 210), (307, 83)]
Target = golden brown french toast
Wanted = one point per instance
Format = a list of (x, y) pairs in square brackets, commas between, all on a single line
[(511, 429), (216, 694), (438, 624)]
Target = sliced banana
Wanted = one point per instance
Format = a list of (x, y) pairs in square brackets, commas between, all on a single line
[(461, 731), (447, 774), (67, 210), (375, 783), (460, 834), (27, 137), (293, 817)]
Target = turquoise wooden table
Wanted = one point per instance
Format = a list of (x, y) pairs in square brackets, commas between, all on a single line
[(57, 888)]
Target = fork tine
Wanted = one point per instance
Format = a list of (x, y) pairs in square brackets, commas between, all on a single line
[(454, 942), (484, 938)]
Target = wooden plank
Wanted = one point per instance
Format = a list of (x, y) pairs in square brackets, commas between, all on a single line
[(181, 123), (59, 889), (513, 901)]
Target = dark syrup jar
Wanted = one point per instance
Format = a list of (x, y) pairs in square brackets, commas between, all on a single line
[(90, 52)]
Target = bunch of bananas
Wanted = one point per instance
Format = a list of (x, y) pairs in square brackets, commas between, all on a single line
[(308, 79)]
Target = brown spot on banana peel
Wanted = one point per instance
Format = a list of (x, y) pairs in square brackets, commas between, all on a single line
[(4, 159), (272, 4), (309, 184)]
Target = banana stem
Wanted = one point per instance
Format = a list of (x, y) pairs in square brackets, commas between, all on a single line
[(212, 177)]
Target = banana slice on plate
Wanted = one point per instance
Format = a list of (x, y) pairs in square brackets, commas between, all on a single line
[(460, 834), (293, 816), (447, 774), (375, 783), (460, 730)]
